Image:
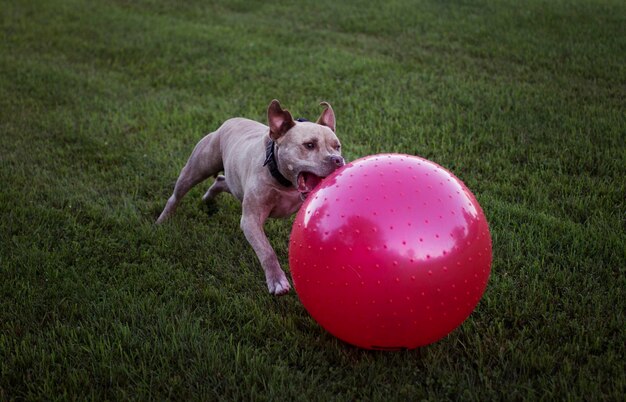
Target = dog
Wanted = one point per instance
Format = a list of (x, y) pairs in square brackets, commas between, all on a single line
[(270, 170)]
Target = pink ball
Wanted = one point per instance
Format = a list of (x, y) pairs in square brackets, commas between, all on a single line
[(390, 252)]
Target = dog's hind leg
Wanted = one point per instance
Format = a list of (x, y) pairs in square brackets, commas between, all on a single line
[(218, 186), (205, 161)]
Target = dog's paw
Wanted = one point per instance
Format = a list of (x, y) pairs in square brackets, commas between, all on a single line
[(278, 286), (209, 207)]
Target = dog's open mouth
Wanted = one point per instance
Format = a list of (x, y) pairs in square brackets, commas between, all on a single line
[(307, 181)]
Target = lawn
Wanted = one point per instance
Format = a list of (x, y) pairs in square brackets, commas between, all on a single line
[(101, 103)]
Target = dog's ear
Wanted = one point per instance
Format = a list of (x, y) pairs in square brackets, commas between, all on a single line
[(327, 118), (279, 119)]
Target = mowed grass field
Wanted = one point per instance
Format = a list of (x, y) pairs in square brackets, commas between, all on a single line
[(101, 103)]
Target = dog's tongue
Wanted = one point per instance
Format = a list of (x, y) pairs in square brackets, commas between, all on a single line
[(307, 182)]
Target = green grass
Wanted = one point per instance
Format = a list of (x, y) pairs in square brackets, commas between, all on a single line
[(101, 103)]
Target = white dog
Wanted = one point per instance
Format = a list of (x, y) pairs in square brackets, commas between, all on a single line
[(269, 169)]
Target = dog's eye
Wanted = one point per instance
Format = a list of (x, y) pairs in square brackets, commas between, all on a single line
[(309, 145), (338, 147)]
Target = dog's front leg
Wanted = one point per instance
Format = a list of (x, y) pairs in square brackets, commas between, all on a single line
[(252, 222)]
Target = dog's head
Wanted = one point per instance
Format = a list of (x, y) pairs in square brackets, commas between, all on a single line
[(306, 152)]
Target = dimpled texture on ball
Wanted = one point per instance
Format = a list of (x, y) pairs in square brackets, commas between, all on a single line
[(390, 252)]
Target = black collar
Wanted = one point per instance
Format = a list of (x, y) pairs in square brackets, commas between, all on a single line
[(270, 162)]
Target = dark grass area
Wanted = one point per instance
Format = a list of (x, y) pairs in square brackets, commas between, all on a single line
[(102, 102)]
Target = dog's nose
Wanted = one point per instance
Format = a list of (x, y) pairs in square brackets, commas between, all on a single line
[(337, 160)]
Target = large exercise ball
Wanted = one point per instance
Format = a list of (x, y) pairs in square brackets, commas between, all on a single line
[(390, 252)]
